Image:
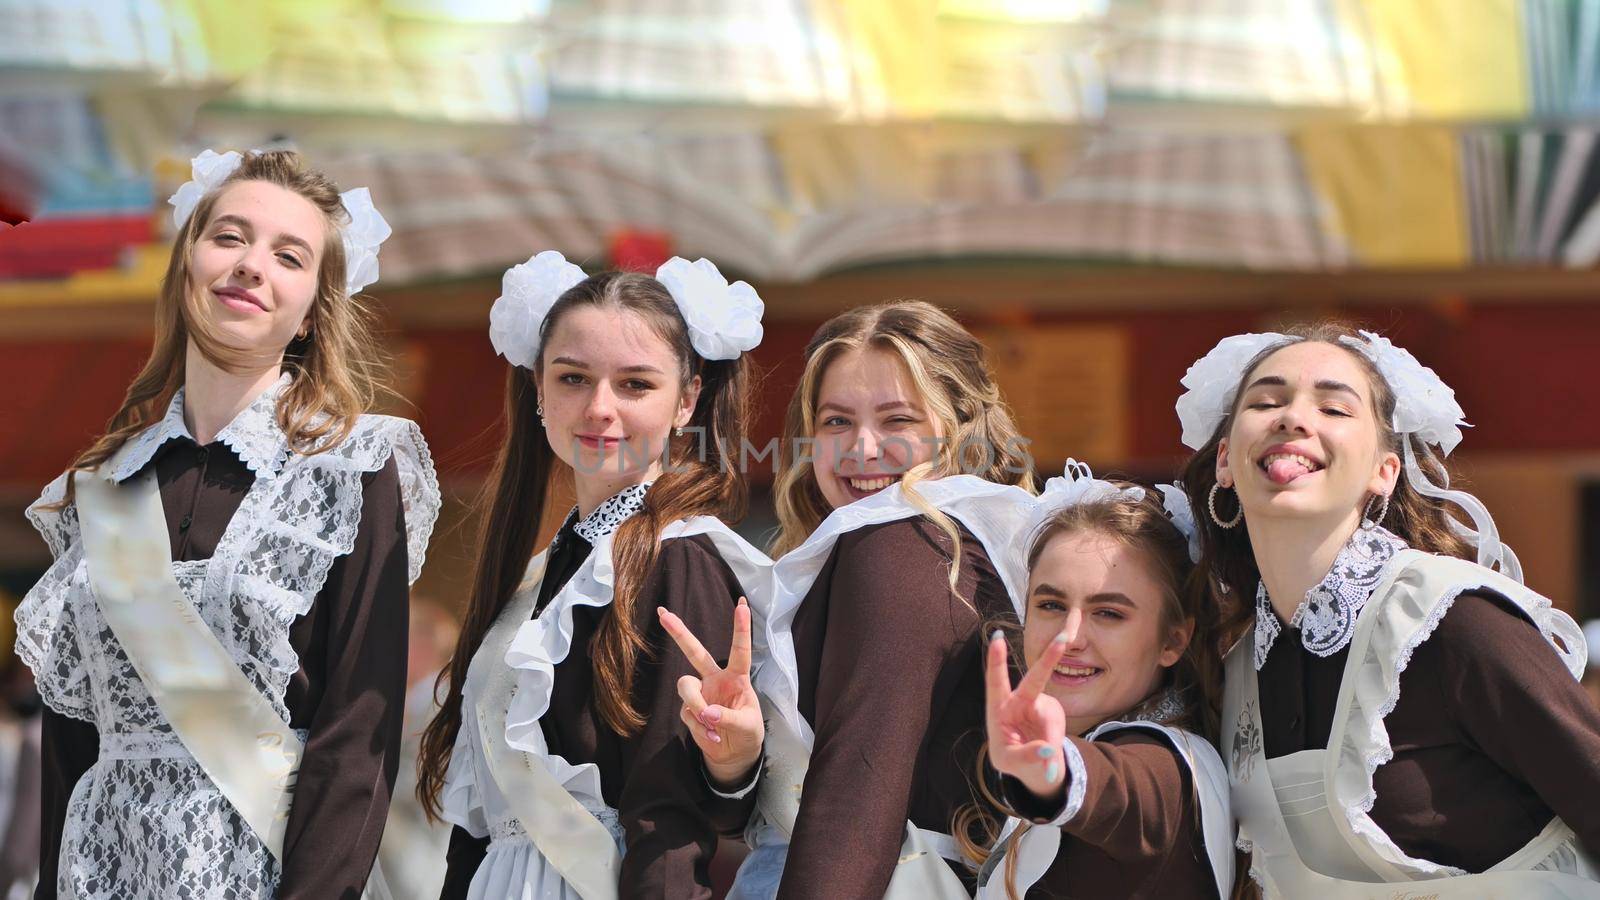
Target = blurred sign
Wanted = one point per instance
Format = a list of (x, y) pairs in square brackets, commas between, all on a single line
[(1067, 386)]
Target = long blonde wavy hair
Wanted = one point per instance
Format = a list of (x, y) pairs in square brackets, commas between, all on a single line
[(949, 369), (336, 366)]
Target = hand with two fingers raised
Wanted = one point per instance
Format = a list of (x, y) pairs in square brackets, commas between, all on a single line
[(1026, 727), (720, 707)]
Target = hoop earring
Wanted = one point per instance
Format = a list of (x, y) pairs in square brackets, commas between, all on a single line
[(1383, 512), (1211, 502)]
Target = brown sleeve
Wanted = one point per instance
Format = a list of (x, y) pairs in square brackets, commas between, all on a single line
[(665, 804), (67, 748), (1515, 700), (347, 775), (892, 626), (1138, 797)]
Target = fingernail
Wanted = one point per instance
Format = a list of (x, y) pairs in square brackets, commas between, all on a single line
[(743, 602), (1061, 638), (717, 739), (712, 716), (1052, 772), (1046, 752), (994, 635)]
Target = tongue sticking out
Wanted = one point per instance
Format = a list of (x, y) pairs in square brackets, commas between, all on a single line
[(1283, 471)]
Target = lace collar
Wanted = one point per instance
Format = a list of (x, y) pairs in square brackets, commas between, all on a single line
[(1327, 617), (608, 516), (253, 435)]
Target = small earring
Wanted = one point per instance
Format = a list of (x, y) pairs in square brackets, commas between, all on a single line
[(678, 432), (538, 410), (1211, 501), (1383, 512)]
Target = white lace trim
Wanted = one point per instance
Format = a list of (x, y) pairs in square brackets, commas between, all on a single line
[(609, 516), (269, 566), (253, 435), (1326, 618), (1378, 690)]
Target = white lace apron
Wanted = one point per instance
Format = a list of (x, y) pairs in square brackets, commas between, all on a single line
[(145, 821), (1305, 817), (510, 679), (996, 515)]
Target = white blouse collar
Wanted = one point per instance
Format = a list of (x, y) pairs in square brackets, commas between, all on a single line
[(1326, 618), (610, 515), (253, 435)]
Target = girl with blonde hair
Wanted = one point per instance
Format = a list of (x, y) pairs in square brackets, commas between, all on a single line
[(901, 491), (221, 638)]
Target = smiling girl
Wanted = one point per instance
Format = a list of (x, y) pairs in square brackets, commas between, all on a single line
[(1112, 789), (902, 485), (221, 639), (1393, 712), (558, 753)]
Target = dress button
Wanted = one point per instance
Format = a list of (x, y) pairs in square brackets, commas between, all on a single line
[(185, 522), (202, 453)]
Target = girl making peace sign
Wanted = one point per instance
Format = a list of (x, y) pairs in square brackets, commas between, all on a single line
[(1112, 790)]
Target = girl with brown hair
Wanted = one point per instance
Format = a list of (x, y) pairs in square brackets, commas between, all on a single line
[(1109, 776), (1393, 712), (558, 753), (221, 638), (903, 486)]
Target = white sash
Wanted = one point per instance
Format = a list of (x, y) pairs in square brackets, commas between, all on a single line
[(1400, 614), (1037, 849), (996, 514), (207, 700), (565, 832)]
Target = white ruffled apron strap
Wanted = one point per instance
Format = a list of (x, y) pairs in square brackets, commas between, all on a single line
[(227, 725), (1276, 863), (1210, 779), (563, 830)]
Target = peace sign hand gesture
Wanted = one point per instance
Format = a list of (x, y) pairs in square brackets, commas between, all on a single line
[(1026, 726), (720, 707)]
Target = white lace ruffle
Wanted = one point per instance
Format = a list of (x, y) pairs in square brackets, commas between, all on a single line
[(996, 514), (1326, 617), (271, 562), (1409, 618), (541, 643), (461, 800)]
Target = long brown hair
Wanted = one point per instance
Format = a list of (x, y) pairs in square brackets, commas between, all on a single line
[(1226, 575), (950, 370), (702, 479), (1141, 525), (336, 367)]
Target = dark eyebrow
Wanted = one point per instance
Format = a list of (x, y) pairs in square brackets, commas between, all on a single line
[(244, 223), (569, 361), (1049, 590), (1113, 597), (651, 370), (1267, 381), (1339, 387)]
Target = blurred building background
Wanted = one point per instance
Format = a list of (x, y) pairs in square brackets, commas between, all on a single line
[(1100, 188)]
